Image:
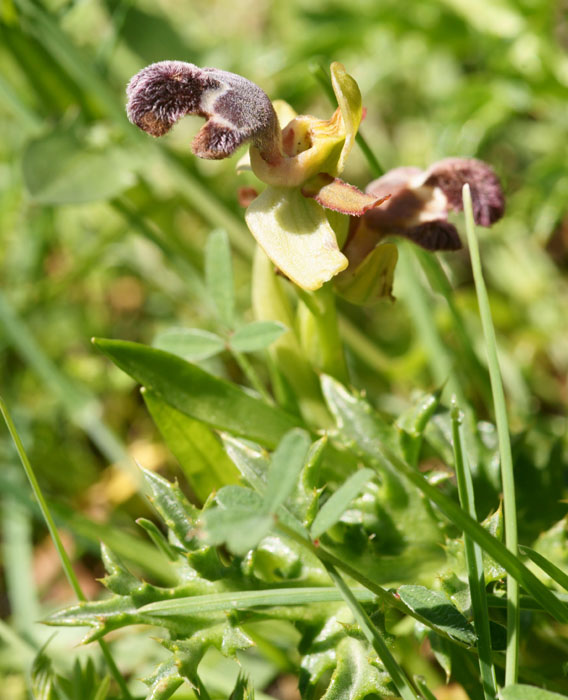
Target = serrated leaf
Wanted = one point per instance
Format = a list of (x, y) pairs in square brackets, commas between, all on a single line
[(164, 681), (219, 275), (257, 335), (251, 461), (202, 458), (118, 579), (438, 609), (60, 170), (174, 508), (355, 676), (193, 344), (333, 509), (285, 466), (198, 394), (43, 678)]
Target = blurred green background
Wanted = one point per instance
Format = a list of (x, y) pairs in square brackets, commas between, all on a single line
[(102, 229)]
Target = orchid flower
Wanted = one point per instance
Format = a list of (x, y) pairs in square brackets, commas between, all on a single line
[(298, 157), (417, 209)]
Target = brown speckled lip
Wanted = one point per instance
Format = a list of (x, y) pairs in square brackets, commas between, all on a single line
[(237, 110)]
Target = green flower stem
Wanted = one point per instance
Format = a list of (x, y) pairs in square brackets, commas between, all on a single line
[(270, 303), (320, 74), (65, 561), (319, 332), (251, 374), (474, 561), (507, 475), (374, 638)]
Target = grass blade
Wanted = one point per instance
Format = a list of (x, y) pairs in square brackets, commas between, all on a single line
[(65, 561), (391, 665), (547, 566), (507, 475), (242, 600), (474, 561), (219, 275)]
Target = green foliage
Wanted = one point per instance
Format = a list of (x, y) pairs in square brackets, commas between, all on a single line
[(271, 476)]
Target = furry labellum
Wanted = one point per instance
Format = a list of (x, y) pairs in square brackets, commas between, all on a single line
[(237, 110)]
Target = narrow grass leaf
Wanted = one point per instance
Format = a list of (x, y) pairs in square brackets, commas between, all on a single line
[(219, 275), (285, 466), (334, 508), (547, 566), (201, 456), (512, 564), (507, 474), (243, 600), (373, 636), (193, 344), (440, 611), (474, 561), (63, 556), (198, 394), (257, 335), (347, 408)]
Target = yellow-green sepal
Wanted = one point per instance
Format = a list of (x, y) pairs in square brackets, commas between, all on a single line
[(295, 234), (372, 279), (350, 103)]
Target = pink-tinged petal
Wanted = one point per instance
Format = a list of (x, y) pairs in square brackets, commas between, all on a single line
[(393, 182), (237, 110), (333, 193), (434, 235), (451, 174)]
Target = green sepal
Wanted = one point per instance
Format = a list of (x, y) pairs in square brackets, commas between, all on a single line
[(372, 280), (295, 234)]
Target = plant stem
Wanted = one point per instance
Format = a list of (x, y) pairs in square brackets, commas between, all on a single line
[(65, 561), (474, 561), (251, 374), (319, 332), (507, 475)]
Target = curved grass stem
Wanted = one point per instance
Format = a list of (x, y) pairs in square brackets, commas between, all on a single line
[(65, 561)]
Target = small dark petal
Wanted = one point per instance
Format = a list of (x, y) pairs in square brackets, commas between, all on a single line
[(434, 235), (236, 109), (451, 174), (246, 196)]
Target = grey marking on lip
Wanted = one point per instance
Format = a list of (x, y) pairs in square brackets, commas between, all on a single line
[(237, 110)]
